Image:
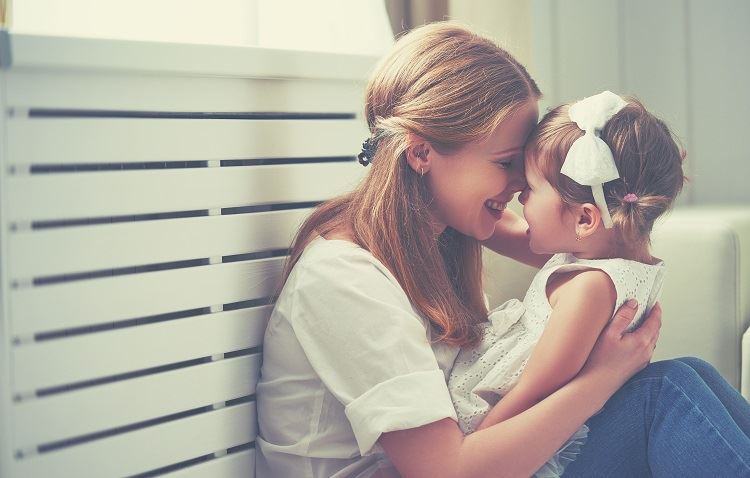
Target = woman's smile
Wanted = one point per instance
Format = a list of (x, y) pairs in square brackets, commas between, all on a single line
[(495, 208)]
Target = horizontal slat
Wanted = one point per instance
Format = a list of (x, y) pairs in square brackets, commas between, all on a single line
[(99, 54), (97, 301), (68, 360), (149, 92), (40, 197), (134, 140), (35, 253), (241, 464), (118, 404), (149, 448)]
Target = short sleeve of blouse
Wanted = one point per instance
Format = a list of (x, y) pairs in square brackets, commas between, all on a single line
[(361, 336)]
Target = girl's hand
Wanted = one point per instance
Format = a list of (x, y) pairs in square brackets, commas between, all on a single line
[(619, 355)]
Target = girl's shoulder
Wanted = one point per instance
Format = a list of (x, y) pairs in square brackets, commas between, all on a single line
[(616, 279), (581, 283), (615, 268)]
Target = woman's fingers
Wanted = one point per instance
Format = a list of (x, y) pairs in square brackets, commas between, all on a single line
[(623, 317), (652, 324)]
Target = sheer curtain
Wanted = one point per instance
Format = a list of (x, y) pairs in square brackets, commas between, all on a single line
[(407, 14)]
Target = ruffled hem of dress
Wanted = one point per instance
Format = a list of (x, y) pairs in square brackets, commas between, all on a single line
[(556, 465)]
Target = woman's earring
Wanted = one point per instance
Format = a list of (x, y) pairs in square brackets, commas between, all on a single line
[(578, 236), (421, 171)]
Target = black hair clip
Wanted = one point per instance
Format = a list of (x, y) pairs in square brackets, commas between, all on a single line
[(368, 152)]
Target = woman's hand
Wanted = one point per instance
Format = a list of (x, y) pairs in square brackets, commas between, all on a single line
[(618, 354)]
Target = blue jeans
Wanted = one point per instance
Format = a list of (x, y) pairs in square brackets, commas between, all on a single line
[(676, 418)]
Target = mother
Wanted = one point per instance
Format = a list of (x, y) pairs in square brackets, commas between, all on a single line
[(384, 285)]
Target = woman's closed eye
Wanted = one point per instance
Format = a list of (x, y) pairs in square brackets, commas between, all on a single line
[(509, 162), (504, 163)]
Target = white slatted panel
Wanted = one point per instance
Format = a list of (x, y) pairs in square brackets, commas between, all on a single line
[(149, 92), (53, 363), (97, 301), (118, 355), (230, 466), (115, 140), (131, 401), (148, 448), (49, 196), (76, 249)]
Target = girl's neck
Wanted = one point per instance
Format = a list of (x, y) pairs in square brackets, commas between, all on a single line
[(606, 246)]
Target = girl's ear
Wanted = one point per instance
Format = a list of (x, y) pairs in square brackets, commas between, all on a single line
[(418, 154), (588, 221)]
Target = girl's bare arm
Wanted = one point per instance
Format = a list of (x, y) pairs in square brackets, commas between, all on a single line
[(515, 447), (583, 303)]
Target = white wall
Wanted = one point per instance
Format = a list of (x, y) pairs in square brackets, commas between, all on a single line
[(685, 59)]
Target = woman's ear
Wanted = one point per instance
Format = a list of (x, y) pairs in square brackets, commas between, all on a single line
[(589, 217), (418, 154)]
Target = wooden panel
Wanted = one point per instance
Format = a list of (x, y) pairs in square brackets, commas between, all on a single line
[(149, 92), (718, 71), (97, 301), (588, 45), (116, 140), (241, 464), (149, 448), (30, 52), (544, 66), (87, 248), (57, 362), (655, 58), (655, 63), (93, 409), (38, 197)]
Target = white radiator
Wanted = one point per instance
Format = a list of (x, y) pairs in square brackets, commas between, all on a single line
[(148, 196)]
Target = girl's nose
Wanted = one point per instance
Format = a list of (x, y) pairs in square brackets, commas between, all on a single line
[(523, 196)]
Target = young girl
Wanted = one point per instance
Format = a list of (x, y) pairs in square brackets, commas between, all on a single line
[(599, 173)]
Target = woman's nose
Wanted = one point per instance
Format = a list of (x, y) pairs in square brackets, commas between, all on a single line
[(519, 182)]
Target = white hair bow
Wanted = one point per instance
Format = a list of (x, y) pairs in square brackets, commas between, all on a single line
[(589, 161)]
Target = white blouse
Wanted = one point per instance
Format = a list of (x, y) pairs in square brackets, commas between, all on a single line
[(345, 358)]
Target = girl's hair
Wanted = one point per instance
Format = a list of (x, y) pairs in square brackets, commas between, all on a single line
[(450, 87), (647, 156)]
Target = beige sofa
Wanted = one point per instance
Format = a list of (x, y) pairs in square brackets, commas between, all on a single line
[(706, 296)]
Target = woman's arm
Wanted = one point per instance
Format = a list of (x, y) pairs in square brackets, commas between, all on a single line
[(582, 303), (510, 239), (516, 447)]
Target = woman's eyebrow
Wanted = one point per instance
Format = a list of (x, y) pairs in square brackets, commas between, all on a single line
[(515, 150)]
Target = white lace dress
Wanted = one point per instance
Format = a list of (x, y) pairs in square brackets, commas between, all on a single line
[(483, 374)]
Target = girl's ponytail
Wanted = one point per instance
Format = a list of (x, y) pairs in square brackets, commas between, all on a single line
[(648, 159)]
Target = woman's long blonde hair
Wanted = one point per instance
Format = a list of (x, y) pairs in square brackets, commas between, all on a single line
[(450, 87)]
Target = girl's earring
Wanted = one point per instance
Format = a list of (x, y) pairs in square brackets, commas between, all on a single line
[(578, 236)]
